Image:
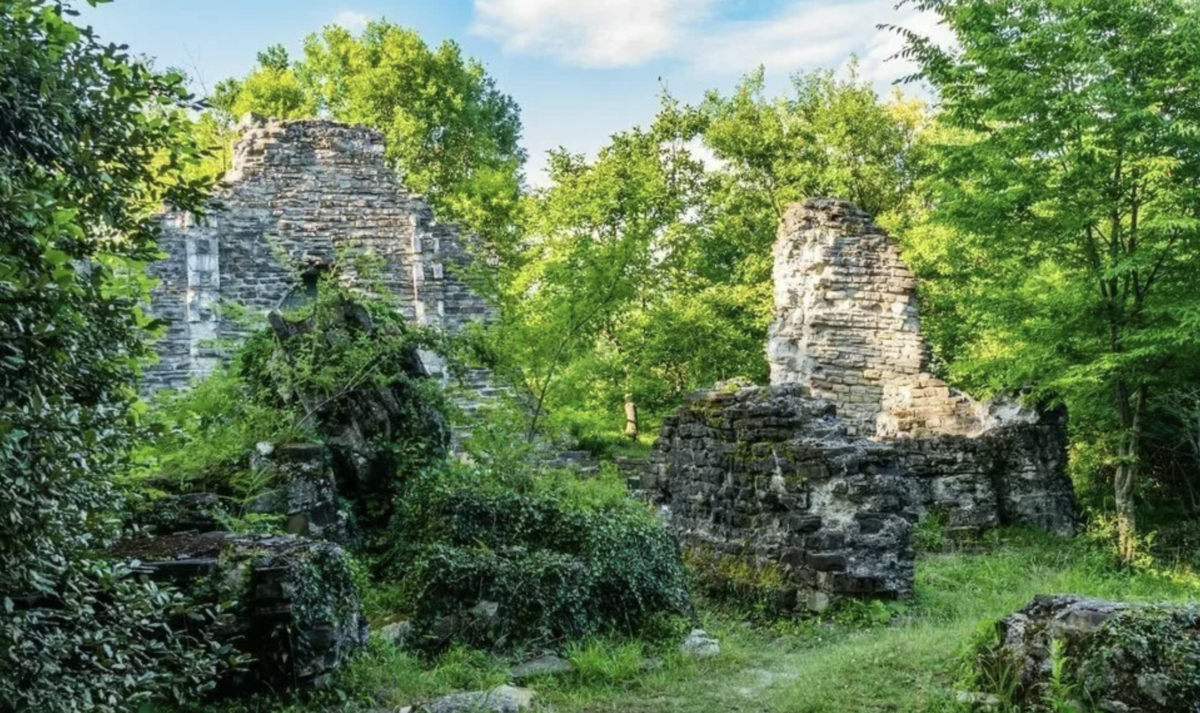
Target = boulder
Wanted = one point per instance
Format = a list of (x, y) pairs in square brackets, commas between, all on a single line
[(545, 665), (289, 603), (1115, 657), (397, 633)]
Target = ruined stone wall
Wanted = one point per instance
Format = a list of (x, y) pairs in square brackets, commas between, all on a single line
[(812, 482), (765, 483), (845, 310), (300, 193), (1013, 474)]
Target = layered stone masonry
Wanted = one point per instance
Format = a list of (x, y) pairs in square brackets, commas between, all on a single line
[(301, 194), (845, 310), (873, 437), (766, 483)]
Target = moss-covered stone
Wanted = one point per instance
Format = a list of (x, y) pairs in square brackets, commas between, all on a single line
[(1103, 656)]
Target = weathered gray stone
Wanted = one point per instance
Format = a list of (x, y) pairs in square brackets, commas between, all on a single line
[(299, 194), (502, 699), (764, 488), (847, 327), (397, 633), (845, 310), (1117, 656), (546, 665), (296, 609), (809, 487), (700, 645)]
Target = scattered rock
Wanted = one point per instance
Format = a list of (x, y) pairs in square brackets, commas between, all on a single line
[(396, 633), (485, 611), (651, 664), (985, 701), (503, 699), (547, 665), (699, 645)]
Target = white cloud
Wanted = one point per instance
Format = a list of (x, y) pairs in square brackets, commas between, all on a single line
[(803, 34), (352, 20), (608, 33)]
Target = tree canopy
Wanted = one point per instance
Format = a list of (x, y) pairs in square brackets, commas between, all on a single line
[(1070, 194)]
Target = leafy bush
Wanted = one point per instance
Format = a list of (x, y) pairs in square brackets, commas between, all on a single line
[(93, 141), (554, 559)]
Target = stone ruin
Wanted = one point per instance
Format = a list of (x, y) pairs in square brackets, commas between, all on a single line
[(812, 485), (299, 195)]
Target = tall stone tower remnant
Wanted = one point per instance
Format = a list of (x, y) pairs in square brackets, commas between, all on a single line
[(299, 195), (845, 310), (807, 489), (847, 327)]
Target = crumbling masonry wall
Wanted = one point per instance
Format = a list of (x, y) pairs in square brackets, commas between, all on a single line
[(862, 438), (765, 487), (299, 194), (845, 310)]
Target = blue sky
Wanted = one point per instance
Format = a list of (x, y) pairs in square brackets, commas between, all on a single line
[(580, 69)]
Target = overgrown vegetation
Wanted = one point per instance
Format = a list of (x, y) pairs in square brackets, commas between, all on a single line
[(1048, 198), (913, 657), (558, 559), (90, 141)]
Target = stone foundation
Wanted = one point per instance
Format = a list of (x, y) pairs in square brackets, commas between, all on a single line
[(296, 610), (764, 485)]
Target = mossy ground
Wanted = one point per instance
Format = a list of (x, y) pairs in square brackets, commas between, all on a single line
[(899, 657)]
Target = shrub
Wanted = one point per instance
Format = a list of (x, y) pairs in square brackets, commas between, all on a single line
[(92, 142), (556, 560), (343, 370)]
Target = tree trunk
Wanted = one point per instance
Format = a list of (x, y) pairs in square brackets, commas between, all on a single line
[(631, 418), (1125, 480)]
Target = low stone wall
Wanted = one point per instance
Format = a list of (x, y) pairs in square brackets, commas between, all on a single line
[(296, 610), (1013, 473), (765, 489), (763, 485)]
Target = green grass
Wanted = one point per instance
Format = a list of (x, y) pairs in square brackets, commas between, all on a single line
[(855, 661)]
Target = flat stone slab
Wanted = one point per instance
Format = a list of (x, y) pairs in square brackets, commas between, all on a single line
[(548, 665), (502, 699)]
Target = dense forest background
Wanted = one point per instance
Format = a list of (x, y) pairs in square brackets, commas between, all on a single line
[(1047, 194)]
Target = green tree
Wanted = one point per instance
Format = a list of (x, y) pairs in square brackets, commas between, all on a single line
[(272, 89), (90, 142), (827, 136), (594, 240), (1071, 200)]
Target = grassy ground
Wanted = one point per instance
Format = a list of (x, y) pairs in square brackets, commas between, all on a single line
[(867, 658)]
